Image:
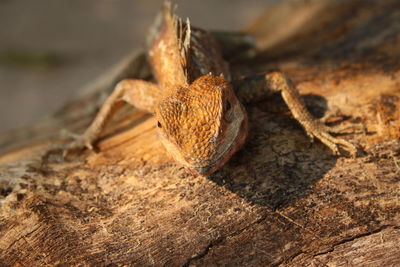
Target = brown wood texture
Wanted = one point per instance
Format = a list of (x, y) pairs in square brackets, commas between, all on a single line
[(280, 201)]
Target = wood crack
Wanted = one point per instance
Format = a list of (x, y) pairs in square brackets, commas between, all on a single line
[(350, 239), (22, 237), (331, 249), (219, 240)]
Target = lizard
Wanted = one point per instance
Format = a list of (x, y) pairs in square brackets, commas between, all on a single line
[(201, 118)]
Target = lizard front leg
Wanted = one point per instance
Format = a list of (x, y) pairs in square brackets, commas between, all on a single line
[(259, 87), (141, 94)]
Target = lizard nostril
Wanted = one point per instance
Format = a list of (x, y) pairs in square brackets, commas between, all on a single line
[(159, 125)]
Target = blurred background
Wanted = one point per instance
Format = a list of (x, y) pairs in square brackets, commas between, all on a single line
[(49, 49)]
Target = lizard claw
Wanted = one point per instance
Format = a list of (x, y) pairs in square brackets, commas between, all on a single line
[(79, 142), (321, 132)]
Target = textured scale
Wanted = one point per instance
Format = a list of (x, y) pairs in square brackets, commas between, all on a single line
[(196, 110)]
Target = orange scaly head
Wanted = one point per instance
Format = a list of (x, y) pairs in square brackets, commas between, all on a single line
[(202, 124)]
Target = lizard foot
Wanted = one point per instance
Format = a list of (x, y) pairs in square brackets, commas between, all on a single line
[(78, 142), (322, 132)]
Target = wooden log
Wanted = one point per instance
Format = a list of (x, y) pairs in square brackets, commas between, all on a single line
[(280, 201)]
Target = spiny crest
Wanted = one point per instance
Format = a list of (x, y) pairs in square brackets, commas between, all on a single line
[(182, 32), (179, 32)]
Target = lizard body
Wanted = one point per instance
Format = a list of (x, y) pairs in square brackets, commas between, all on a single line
[(201, 119)]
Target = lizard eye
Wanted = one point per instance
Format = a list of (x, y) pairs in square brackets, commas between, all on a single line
[(227, 105), (159, 125), (228, 115)]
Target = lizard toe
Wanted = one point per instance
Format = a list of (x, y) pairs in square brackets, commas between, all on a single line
[(79, 143)]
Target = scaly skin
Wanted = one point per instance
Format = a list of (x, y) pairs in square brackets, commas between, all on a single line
[(201, 121)]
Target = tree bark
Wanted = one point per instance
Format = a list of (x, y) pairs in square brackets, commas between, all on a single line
[(280, 201)]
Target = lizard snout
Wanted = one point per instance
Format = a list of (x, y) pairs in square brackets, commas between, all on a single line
[(206, 170)]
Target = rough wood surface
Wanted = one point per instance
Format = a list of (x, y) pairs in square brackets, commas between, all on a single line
[(279, 201)]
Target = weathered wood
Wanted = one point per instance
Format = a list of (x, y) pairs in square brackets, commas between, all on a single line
[(279, 201)]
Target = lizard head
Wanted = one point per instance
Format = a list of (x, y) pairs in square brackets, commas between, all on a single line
[(202, 125)]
